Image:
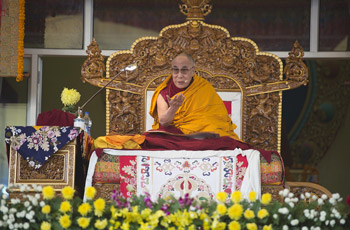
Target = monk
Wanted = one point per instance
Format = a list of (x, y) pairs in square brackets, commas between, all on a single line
[(189, 103)]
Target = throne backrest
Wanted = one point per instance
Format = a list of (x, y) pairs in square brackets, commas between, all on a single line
[(233, 65)]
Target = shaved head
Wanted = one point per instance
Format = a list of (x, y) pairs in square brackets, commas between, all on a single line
[(188, 56)]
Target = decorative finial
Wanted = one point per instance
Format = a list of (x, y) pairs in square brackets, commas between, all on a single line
[(195, 9)]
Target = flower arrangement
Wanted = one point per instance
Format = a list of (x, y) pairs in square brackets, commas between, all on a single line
[(48, 211), (69, 98)]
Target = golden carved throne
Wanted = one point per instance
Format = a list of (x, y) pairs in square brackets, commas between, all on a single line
[(230, 64)]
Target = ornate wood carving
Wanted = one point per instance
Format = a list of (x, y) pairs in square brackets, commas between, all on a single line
[(263, 114), (105, 191), (52, 169), (93, 67), (295, 70), (58, 171), (229, 63), (195, 9)]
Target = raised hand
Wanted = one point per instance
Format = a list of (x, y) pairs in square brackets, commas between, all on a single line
[(176, 102)]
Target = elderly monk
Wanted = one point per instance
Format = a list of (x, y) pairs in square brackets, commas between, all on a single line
[(189, 102)]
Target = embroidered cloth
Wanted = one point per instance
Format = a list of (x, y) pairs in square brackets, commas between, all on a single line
[(200, 174), (37, 143)]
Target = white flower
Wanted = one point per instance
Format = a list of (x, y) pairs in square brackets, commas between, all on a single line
[(323, 213), (42, 204), (285, 192), (4, 196), (5, 217), (332, 223), (275, 216), (320, 201), (294, 222), (327, 222), (283, 210), (307, 195), (26, 225), (332, 201), (26, 204), (287, 200), (4, 209), (342, 221), (290, 195), (291, 204), (314, 197), (322, 218), (302, 197), (285, 227), (324, 197), (304, 228), (336, 196)]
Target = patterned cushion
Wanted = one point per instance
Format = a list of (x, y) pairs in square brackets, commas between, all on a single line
[(107, 169), (272, 173)]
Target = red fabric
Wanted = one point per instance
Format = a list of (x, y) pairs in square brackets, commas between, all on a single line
[(163, 141), (228, 105), (55, 117), (171, 90)]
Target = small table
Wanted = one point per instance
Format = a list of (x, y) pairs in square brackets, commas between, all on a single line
[(66, 166)]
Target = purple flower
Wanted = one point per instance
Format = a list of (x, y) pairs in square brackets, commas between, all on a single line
[(165, 208), (186, 201), (147, 200)]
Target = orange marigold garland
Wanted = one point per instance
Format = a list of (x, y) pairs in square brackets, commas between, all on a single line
[(21, 18)]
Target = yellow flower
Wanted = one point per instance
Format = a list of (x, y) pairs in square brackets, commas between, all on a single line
[(99, 205), (218, 225), (146, 213), (266, 198), (234, 225), (65, 207), (267, 227), (48, 192), (65, 221), (101, 224), (235, 211), (262, 213), (68, 193), (45, 226), (90, 193), (83, 222), (84, 209), (70, 96), (46, 209), (249, 214), (252, 196), (236, 196), (221, 196), (221, 209), (252, 226)]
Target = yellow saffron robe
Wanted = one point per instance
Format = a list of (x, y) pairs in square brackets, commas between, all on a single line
[(202, 110)]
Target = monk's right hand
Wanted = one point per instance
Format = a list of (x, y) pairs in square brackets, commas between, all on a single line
[(177, 101)]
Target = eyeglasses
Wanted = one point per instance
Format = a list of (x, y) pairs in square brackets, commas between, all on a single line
[(183, 71)]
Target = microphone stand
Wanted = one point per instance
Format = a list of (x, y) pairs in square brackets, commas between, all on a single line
[(130, 67)]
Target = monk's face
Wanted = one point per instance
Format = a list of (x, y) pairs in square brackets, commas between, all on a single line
[(182, 71)]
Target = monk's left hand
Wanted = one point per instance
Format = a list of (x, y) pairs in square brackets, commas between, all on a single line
[(177, 101)]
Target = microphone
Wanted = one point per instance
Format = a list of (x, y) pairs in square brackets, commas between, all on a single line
[(130, 67)]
